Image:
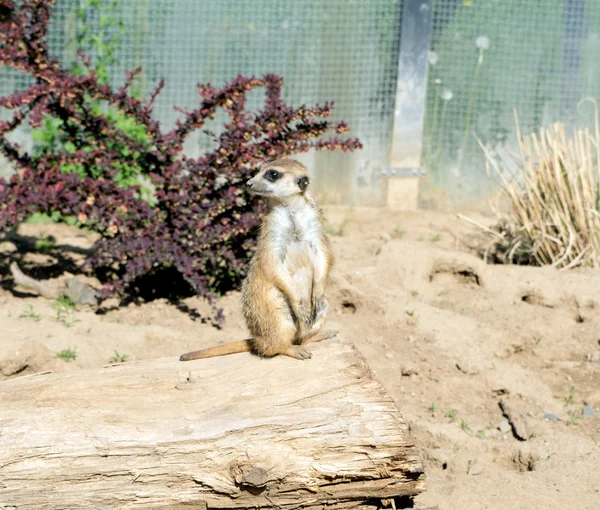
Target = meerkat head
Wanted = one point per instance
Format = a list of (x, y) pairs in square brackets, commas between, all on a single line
[(281, 179)]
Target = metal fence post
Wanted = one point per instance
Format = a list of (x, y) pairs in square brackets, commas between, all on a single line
[(409, 112)]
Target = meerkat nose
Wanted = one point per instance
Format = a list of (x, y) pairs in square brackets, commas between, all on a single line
[(249, 183)]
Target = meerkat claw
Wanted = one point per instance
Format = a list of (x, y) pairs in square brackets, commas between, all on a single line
[(299, 352)]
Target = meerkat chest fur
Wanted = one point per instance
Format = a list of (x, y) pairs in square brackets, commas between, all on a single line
[(296, 234)]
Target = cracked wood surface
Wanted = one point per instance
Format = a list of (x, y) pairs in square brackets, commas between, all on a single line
[(230, 432)]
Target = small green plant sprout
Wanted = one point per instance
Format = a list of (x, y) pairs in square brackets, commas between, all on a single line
[(435, 238), (30, 314), (338, 230), (68, 322), (432, 408), (65, 302), (464, 425), (65, 307), (480, 434), (574, 416), (67, 354), (452, 414), (45, 245), (399, 232), (570, 400), (118, 358), (538, 339), (410, 312)]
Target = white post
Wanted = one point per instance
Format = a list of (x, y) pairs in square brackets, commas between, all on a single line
[(409, 112)]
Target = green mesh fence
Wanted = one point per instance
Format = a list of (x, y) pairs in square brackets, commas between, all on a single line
[(340, 50), (488, 57)]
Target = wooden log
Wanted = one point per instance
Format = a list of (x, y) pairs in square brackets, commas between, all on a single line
[(235, 432)]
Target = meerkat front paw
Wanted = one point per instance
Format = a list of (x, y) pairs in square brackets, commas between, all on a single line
[(320, 307), (303, 312)]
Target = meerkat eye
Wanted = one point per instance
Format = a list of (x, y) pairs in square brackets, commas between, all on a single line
[(303, 183), (272, 175)]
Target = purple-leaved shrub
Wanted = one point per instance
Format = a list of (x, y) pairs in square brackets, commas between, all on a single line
[(202, 221)]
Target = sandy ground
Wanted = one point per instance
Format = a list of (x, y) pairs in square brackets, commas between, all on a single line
[(448, 336)]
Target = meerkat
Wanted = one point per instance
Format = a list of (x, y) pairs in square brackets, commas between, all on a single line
[(283, 295)]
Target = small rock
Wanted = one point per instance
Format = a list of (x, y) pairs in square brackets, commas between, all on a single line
[(467, 368), (589, 411), (385, 237), (475, 469), (408, 370), (389, 355), (551, 416), (504, 426), (516, 420), (80, 293), (593, 356), (503, 354)]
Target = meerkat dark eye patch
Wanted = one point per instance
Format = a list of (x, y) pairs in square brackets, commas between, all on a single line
[(303, 183), (272, 175)]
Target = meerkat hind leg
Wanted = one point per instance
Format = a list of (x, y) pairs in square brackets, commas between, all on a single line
[(300, 352), (320, 336)]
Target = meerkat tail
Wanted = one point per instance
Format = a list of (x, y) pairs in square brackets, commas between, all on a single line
[(220, 350)]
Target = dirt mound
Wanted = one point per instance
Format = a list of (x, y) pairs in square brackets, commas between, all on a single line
[(29, 358)]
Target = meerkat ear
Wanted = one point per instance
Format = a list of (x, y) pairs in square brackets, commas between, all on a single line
[(303, 183)]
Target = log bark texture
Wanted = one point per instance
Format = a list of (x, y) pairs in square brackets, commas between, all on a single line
[(235, 432)]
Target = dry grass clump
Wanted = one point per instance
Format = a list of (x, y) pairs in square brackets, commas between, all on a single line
[(554, 204)]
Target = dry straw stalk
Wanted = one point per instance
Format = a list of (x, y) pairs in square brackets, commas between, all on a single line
[(554, 205)]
